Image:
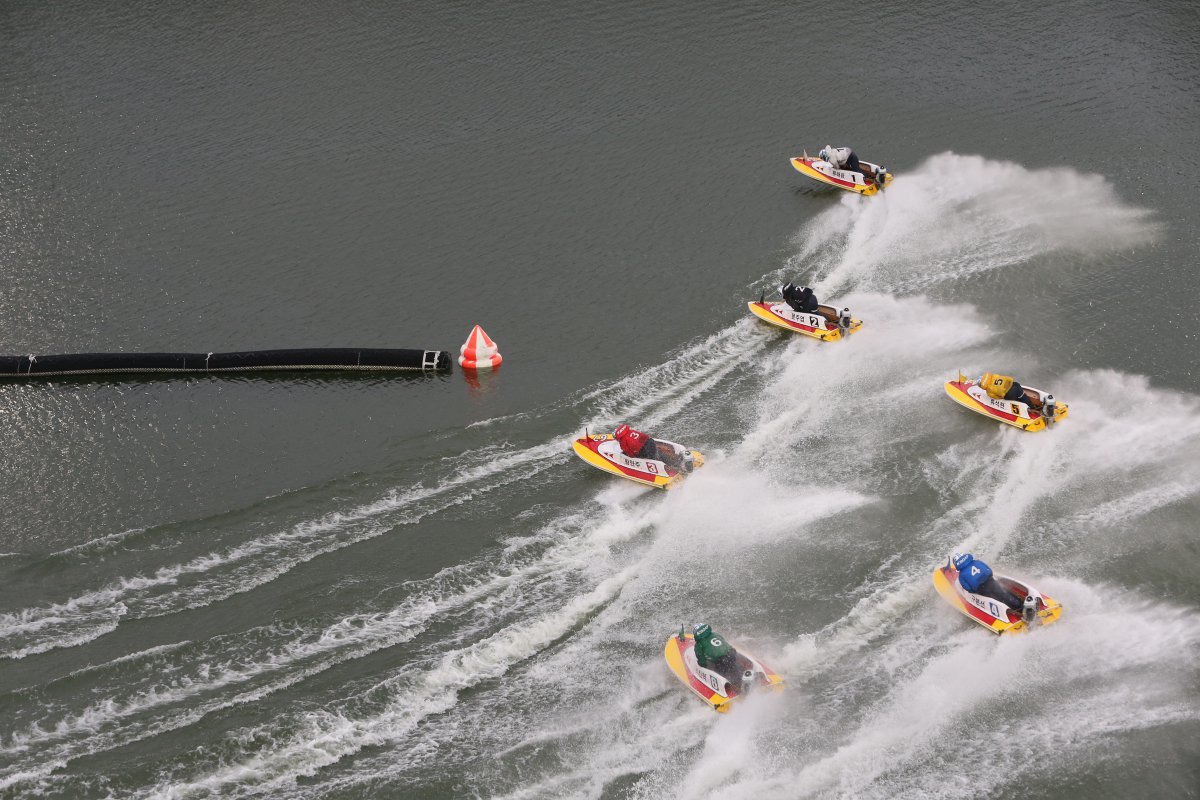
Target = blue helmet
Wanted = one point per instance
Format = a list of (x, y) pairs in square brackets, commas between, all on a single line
[(961, 560), (701, 629)]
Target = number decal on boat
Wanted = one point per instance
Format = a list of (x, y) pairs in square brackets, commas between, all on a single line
[(651, 467)]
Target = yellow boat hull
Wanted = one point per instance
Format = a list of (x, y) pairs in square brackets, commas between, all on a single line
[(944, 579), (848, 181), (588, 450), (825, 334), (674, 654), (958, 391)]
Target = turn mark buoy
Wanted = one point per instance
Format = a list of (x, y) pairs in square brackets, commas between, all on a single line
[(479, 351)]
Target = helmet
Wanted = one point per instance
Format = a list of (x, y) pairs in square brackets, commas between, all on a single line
[(961, 560), (823, 153), (701, 630), (621, 430)]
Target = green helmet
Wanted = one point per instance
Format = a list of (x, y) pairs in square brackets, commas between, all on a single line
[(701, 630)]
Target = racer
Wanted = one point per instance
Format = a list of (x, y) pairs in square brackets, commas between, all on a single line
[(713, 652), (845, 158), (800, 298), (636, 444), (976, 577), (1003, 387)]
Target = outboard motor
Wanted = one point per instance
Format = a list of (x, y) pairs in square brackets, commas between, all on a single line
[(1048, 408), (881, 177), (747, 680), (844, 322), (1029, 609)]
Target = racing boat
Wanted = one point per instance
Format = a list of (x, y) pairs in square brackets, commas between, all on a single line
[(1044, 410), (603, 451), (821, 170), (992, 614), (827, 324), (718, 690)]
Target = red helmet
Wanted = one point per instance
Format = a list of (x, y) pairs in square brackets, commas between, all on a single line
[(621, 430)]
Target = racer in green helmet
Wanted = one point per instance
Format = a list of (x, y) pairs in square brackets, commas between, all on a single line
[(713, 652)]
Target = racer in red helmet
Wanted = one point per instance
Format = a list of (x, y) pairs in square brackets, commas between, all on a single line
[(634, 443)]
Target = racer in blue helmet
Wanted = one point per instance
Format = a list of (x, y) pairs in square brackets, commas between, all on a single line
[(976, 577)]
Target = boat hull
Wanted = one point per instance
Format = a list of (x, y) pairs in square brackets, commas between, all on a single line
[(988, 612), (818, 326), (709, 686), (604, 453), (1020, 415), (823, 172)]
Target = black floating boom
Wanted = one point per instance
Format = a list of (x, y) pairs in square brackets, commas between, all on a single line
[(327, 359)]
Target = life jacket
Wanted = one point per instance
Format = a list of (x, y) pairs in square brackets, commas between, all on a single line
[(710, 647), (974, 574), (997, 386), (800, 298), (631, 441), (839, 157)]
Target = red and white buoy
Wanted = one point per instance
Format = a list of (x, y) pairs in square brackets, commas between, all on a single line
[(479, 351)]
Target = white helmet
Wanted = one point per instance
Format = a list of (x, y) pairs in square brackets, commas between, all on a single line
[(823, 153)]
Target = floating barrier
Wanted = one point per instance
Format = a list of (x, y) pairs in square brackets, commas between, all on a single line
[(479, 352), (329, 359)]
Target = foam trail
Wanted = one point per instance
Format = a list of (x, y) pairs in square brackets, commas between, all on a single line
[(955, 216), (329, 736), (659, 393), (204, 683), (695, 370), (962, 699), (690, 518), (254, 563)]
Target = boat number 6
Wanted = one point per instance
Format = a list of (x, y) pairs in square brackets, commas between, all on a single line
[(713, 682)]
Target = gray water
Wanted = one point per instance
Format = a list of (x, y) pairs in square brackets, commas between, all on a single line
[(408, 587)]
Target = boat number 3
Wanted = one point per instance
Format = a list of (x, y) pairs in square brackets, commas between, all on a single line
[(651, 467)]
